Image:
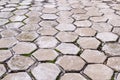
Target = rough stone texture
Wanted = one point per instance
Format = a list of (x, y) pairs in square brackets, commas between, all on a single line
[(88, 43), (71, 63), (107, 36), (46, 71), (17, 76), (93, 56), (98, 71), (67, 36), (20, 62), (24, 48), (47, 42), (112, 48), (68, 48), (72, 76), (114, 62), (45, 54)]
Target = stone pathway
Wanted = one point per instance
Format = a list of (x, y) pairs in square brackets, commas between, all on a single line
[(60, 40)]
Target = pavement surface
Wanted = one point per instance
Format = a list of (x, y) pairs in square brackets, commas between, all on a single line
[(60, 40)]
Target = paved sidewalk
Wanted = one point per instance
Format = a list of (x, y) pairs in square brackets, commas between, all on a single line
[(60, 40)]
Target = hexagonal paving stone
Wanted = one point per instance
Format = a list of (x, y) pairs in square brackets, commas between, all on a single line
[(70, 63), (17, 76), (4, 55), (102, 27), (45, 54), (14, 25), (80, 16), (47, 31), (49, 10), (20, 12), (9, 33), (116, 30), (98, 72), (30, 27), (49, 16), (65, 27), (114, 62), (3, 21), (93, 56), (107, 36), (20, 62), (112, 48), (46, 42), (99, 19), (67, 36), (7, 42), (24, 48), (65, 20), (114, 22), (48, 23), (72, 76), (2, 69), (88, 42), (68, 48), (78, 11), (84, 23), (5, 14), (85, 31), (27, 36), (17, 18), (46, 71), (33, 13)]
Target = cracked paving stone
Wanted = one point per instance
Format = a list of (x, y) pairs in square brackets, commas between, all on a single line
[(47, 42), (114, 22), (45, 54), (85, 31), (93, 56), (65, 27), (30, 27), (107, 36), (84, 23), (48, 23), (46, 71), (27, 36), (88, 42), (98, 72), (17, 18), (68, 48), (2, 69), (14, 25), (20, 62), (9, 33), (17, 76), (5, 14), (71, 63), (7, 42), (114, 63), (72, 76), (49, 16), (24, 48), (80, 16), (4, 55), (102, 27), (67, 36), (49, 31), (3, 21), (112, 48)]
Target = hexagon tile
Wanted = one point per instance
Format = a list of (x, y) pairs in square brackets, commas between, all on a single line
[(59, 39)]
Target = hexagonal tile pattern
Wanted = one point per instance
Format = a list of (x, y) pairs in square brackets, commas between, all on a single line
[(3, 21), (17, 18), (48, 23), (4, 55), (72, 76), (49, 16), (88, 42), (17, 76), (48, 71), (67, 36), (45, 54), (71, 63), (84, 23), (2, 69), (27, 36), (46, 42), (98, 71), (68, 48), (93, 56), (24, 48), (20, 62)]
